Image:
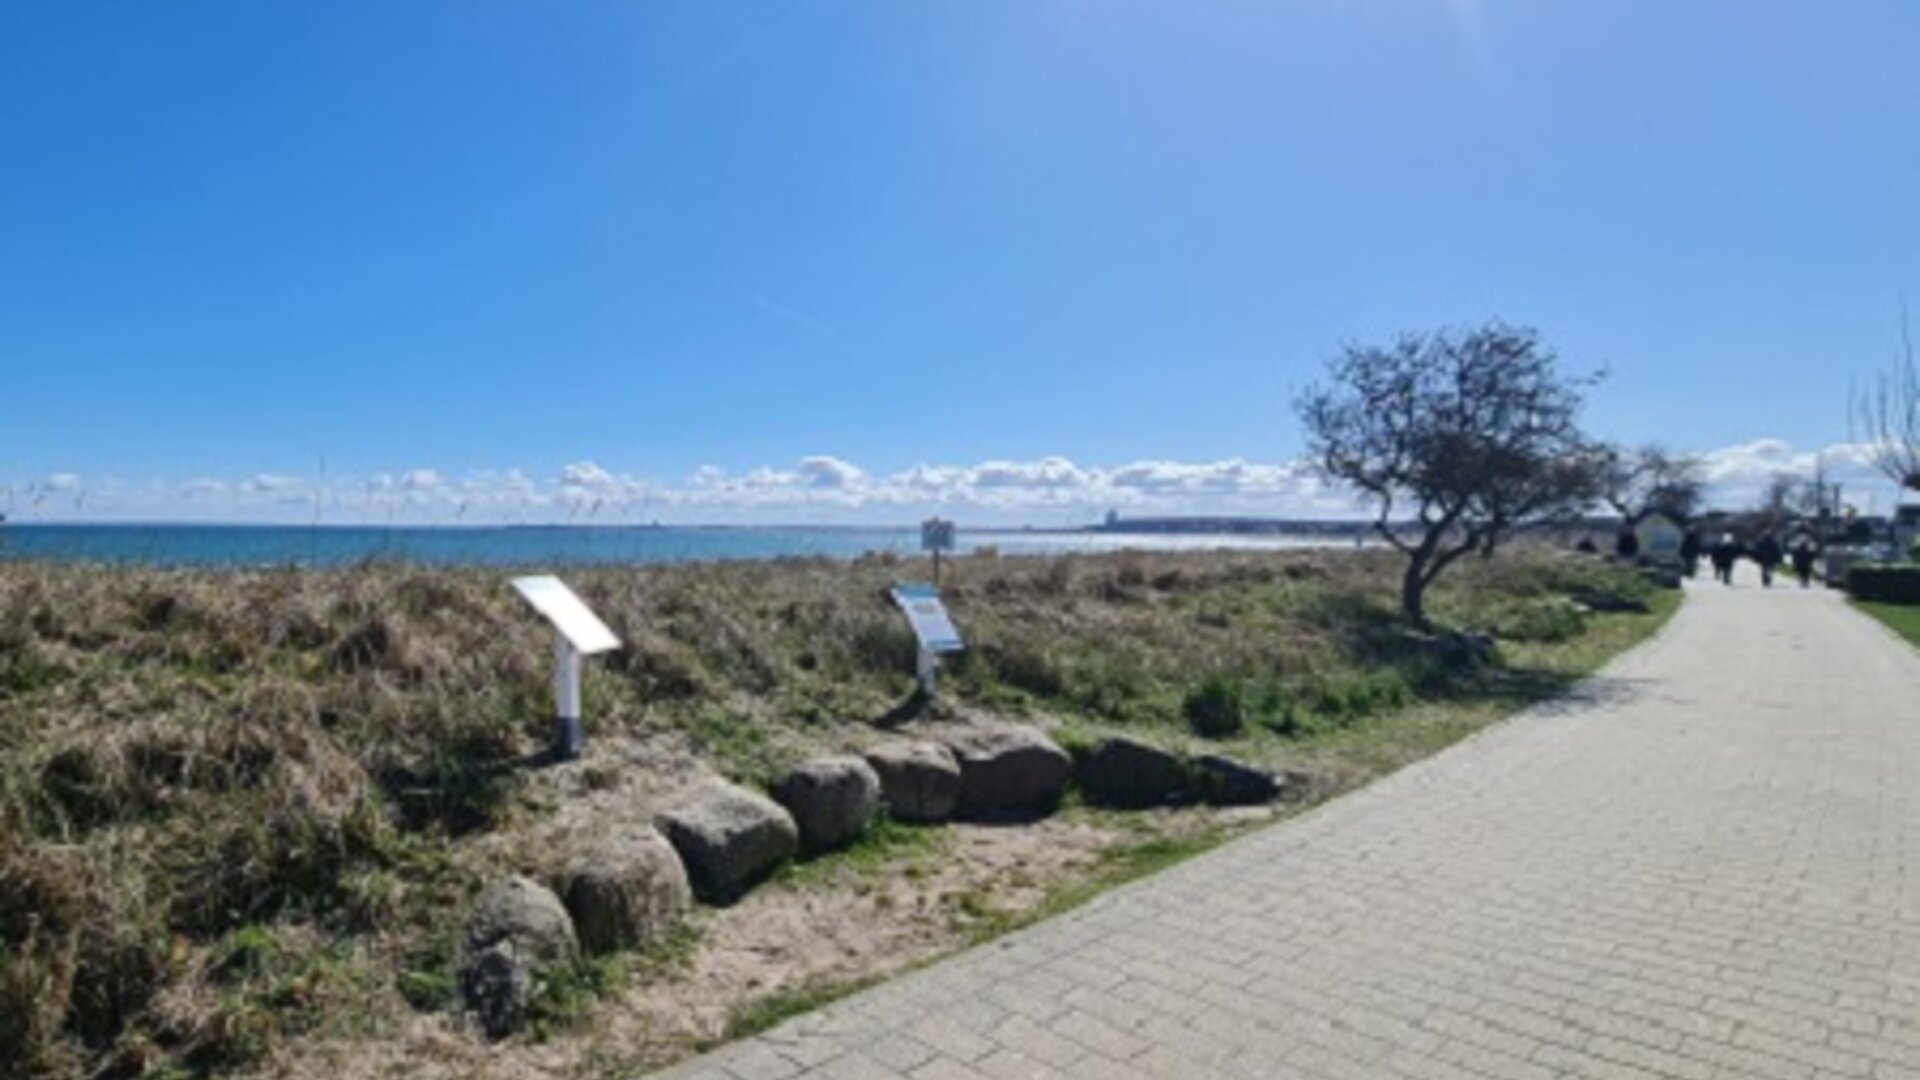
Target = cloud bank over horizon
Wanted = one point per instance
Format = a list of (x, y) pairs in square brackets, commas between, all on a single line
[(822, 489)]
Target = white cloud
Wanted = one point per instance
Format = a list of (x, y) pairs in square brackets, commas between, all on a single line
[(268, 484), (586, 474), (1054, 473), (1049, 490), (1738, 476), (823, 471), (202, 488), (1220, 476)]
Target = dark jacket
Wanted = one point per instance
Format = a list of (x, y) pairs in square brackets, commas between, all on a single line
[(1767, 551)]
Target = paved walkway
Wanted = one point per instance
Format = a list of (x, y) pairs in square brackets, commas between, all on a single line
[(1708, 866)]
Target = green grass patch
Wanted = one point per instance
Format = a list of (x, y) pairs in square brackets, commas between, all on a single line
[(777, 1008), (1131, 860), (1530, 672), (669, 957), (888, 846), (567, 998), (1902, 619)]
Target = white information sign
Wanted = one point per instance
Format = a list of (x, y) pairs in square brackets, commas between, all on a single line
[(929, 618), (568, 614)]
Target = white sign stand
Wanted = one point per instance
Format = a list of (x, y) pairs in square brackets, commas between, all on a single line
[(932, 627), (578, 632), (924, 671)]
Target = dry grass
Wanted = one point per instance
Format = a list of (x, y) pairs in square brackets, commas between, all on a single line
[(241, 806)]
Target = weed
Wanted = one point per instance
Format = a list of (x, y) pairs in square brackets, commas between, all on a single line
[(568, 994), (780, 1006), (887, 844), (669, 956), (1216, 709)]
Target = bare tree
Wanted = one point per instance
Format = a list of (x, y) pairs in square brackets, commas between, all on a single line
[(1472, 434), (1649, 478), (1778, 501), (1886, 415)]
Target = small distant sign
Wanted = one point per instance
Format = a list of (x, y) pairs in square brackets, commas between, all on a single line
[(936, 534), (1659, 536), (929, 618), (568, 613)]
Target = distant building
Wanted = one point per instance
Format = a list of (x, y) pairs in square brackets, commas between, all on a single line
[(1906, 527), (1113, 519)]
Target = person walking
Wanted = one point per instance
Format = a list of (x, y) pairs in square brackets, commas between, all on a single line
[(1768, 554), (1690, 552), (1803, 554), (1724, 552)]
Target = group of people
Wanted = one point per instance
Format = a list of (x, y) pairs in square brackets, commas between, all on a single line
[(1767, 552), (1723, 553)]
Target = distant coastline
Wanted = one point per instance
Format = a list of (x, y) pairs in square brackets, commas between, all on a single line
[(454, 544), (1233, 526)]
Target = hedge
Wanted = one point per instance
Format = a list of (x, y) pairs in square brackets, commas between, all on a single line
[(1884, 584)]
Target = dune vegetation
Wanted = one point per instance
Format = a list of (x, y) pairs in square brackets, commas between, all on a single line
[(242, 810)]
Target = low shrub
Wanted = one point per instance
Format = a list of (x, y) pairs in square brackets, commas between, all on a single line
[(1547, 621), (1883, 583), (32, 1006), (81, 954), (256, 860), (1216, 708), (1026, 666), (1354, 697), (1112, 683)]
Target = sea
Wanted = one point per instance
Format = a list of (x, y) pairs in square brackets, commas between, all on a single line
[(345, 545)]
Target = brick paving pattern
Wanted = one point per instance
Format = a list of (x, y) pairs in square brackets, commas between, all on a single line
[(1705, 865)]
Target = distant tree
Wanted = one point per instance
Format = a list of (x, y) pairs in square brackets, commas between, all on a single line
[(1818, 499), (1470, 435), (1780, 499), (1886, 415), (1644, 479)]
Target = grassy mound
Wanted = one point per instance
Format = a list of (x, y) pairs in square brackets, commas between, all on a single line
[(237, 807)]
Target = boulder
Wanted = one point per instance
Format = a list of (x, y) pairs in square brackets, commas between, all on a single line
[(1226, 782), (919, 781), (518, 935), (1130, 772), (832, 800), (728, 839), (625, 891), (1008, 770)]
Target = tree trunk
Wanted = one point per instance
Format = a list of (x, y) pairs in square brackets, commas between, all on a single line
[(1413, 589)]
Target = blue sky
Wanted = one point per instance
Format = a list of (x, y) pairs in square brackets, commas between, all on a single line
[(457, 248)]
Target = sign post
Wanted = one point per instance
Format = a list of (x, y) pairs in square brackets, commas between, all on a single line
[(932, 627), (936, 536), (578, 632)]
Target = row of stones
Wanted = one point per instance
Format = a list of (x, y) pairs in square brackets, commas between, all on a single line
[(622, 894)]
